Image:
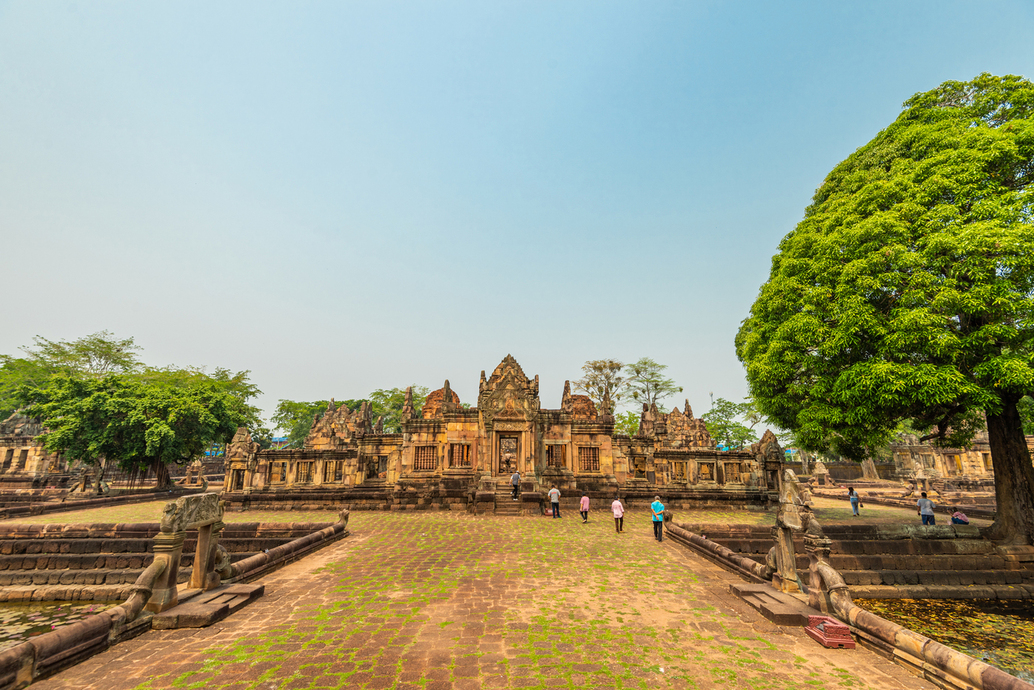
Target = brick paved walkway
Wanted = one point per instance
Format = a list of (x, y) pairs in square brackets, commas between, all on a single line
[(439, 600)]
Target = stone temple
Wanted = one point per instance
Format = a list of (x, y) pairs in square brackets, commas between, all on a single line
[(459, 457)]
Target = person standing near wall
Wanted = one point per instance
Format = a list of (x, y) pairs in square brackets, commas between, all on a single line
[(619, 514), (658, 518), (583, 507), (554, 501), (926, 507)]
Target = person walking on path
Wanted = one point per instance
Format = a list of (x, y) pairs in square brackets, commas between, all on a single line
[(583, 507), (853, 497), (926, 506), (515, 481), (554, 500), (619, 514), (658, 518)]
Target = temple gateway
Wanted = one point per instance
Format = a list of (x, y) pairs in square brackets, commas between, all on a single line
[(458, 457)]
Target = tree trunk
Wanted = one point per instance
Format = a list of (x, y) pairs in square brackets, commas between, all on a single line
[(161, 475), (1014, 477)]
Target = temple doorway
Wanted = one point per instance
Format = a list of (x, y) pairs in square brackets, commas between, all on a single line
[(508, 449)]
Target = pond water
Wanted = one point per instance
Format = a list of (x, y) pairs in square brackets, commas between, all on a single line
[(1001, 633), (19, 622)]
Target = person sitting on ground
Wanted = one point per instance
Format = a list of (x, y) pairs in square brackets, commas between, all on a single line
[(926, 508), (958, 517), (583, 506)]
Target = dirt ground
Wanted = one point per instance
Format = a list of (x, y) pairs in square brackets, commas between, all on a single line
[(440, 600)]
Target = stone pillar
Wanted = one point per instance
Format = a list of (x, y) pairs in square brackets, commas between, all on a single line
[(168, 546), (785, 577), (818, 548)]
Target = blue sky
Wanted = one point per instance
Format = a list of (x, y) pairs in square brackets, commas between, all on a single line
[(349, 196)]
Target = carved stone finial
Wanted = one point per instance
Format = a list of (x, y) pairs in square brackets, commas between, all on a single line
[(688, 411), (407, 407)]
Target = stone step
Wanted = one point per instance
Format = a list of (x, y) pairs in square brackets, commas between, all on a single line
[(15, 547), (935, 578), (119, 576), (207, 607), (507, 506), (780, 608)]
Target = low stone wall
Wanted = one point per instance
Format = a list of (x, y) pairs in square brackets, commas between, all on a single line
[(410, 497), (17, 509), (100, 562), (896, 561)]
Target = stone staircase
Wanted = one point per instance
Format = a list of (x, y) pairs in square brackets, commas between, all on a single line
[(504, 503), (899, 561)]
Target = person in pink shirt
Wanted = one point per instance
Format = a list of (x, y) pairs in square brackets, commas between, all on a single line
[(619, 514), (584, 508)]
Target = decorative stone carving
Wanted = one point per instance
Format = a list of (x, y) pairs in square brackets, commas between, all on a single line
[(508, 393), (434, 405), (189, 512), (578, 406)]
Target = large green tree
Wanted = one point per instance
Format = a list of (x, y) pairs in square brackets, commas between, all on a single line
[(294, 418), (138, 425), (388, 403), (93, 355), (907, 291)]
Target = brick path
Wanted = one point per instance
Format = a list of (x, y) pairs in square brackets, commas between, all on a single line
[(440, 600)]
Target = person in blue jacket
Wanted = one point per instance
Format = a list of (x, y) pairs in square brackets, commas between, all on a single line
[(658, 518)]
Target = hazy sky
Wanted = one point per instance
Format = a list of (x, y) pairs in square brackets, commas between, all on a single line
[(348, 196)]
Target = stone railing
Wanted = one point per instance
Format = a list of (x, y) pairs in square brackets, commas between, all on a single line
[(938, 663)]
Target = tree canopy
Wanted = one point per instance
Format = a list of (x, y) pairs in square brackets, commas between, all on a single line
[(93, 355), (907, 290), (138, 425), (647, 382), (724, 425), (601, 378), (52, 373), (295, 418)]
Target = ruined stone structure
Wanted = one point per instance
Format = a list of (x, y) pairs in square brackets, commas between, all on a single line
[(448, 455), (24, 463)]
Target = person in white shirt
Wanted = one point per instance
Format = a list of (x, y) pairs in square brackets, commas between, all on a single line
[(619, 514), (554, 500)]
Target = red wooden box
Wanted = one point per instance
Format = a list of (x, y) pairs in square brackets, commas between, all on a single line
[(829, 632)]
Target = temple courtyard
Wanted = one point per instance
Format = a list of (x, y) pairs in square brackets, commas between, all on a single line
[(447, 600)]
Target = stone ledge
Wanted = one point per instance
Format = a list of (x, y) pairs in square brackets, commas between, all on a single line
[(209, 607)]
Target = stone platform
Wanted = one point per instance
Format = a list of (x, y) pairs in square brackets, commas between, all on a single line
[(201, 609), (445, 600), (776, 606)]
